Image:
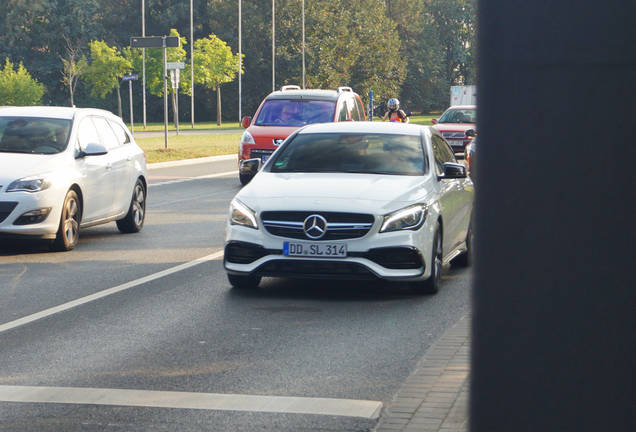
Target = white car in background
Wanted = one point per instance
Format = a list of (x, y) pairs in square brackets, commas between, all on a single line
[(357, 200), (62, 169)]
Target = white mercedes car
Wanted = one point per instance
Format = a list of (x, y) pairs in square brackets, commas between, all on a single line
[(360, 200), (66, 168)]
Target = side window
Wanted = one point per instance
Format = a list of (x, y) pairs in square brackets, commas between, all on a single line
[(358, 104), (122, 135), (343, 111), (447, 151), (442, 153), (355, 111), (109, 139), (86, 133)]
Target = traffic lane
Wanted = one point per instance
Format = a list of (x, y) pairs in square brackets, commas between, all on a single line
[(191, 332), (192, 169), (184, 221)]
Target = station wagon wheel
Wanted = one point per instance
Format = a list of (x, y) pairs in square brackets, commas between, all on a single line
[(134, 219), (67, 235)]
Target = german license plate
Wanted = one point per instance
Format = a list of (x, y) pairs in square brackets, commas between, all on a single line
[(456, 143), (315, 249), (264, 158)]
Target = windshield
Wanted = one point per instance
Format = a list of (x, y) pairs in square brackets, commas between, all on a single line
[(354, 153), (286, 112), (33, 135), (468, 115)]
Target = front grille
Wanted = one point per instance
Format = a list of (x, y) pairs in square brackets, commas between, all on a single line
[(315, 269), (454, 135), (340, 226), (6, 207)]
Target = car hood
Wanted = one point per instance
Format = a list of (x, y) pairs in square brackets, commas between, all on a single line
[(444, 127), (14, 166), (265, 134), (368, 193)]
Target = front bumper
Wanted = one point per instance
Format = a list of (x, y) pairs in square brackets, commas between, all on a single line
[(398, 255), (26, 202)]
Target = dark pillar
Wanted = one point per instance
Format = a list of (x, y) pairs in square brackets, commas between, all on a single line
[(554, 319)]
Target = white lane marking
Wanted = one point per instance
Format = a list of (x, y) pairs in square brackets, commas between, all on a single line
[(208, 176), (195, 161), (101, 294), (188, 400)]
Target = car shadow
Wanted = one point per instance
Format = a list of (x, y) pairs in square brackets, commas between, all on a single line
[(327, 290)]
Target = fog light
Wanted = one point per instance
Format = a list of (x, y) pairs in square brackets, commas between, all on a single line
[(33, 216)]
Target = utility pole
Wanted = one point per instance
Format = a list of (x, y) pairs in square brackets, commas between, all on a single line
[(191, 64), (240, 65), (143, 67), (303, 13), (273, 45)]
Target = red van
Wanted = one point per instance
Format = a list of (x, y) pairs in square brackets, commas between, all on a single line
[(284, 111)]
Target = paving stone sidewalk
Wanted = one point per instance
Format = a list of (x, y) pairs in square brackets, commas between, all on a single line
[(435, 395)]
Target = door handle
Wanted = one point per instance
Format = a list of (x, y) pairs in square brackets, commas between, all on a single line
[(109, 166)]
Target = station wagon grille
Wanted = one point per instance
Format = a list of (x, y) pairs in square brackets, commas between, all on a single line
[(454, 135), (340, 226)]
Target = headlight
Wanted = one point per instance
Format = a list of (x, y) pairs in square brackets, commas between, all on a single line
[(409, 218), (247, 138), (240, 214), (29, 184)]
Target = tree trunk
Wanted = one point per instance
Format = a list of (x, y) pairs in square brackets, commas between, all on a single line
[(218, 105), (118, 102), (70, 88)]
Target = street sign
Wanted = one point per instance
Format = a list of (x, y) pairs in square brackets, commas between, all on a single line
[(175, 65), (130, 77), (154, 41)]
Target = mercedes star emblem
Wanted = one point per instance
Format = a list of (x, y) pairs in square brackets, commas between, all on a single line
[(315, 226)]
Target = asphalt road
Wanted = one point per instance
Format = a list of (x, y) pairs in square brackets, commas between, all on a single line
[(270, 360)]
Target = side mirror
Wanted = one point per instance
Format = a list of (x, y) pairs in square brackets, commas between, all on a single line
[(92, 149), (249, 168), (434, 121), (471, 133), (453, 171), (246, 121)]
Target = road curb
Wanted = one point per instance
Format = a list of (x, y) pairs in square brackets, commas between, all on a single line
[(194, 161), (435, 396)]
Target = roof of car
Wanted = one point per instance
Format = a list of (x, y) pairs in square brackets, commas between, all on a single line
[(365, 127), (463, 107), (307, 94), (50, 111)]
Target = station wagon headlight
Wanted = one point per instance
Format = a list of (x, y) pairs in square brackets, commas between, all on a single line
[(247, 138), (409, 218), (240, 214), (29, 184)]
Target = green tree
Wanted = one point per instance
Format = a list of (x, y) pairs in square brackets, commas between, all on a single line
[(17, 87), (75, 65), (214, 64), (106, 68)]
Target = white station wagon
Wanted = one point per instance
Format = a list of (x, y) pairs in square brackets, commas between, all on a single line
[(66, 168), (362, 200)]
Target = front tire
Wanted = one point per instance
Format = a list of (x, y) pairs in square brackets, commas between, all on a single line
[(466, 258), (432, 284), (67, 235), (134, 219), (244, 282)]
